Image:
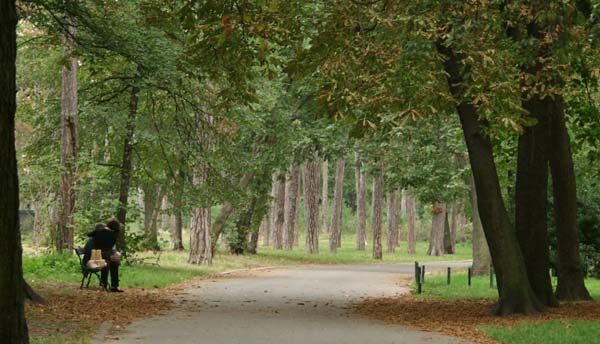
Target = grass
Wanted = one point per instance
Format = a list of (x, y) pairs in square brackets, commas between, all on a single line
[(548, 332), (525, 332), (174, 268), (436, 287)]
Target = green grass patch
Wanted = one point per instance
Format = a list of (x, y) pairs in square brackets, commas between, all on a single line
[(436, 287), (547, 332)]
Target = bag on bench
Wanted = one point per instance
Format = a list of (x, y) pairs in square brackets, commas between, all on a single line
[(96, 261)]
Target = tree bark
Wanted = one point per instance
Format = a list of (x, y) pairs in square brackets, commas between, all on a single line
[(481, 253), (176, 233), (152, 196), (338, 199), (279, 211), (297, 215), (311, 203), (377, 213), (69, 141), (531, 199), (448, 246), (325, 197), (126, 167), (411, 222), (391, 245), (438, 221), (13, 328), (200, 233), (291, 193), (514, 289), (455, 221), (164, 217), (571, 284), (361, 204)]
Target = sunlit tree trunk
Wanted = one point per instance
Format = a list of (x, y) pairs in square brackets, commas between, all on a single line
[(377, 213), (69, 141), (13, 327), (291, 193), (311, 175), (338, 199), (438, 221)]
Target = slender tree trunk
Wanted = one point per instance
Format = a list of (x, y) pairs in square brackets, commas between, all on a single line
[(531, 199), (338, 199), (279, 211), (297, 214), (176, 234), (396, 214), (291, 193), (514, 289), (69, 142), (455, 212), (325, 197), (436, 238), (377, 213), (391, 245), (13, 328), (164, 217), (361, 205), (411, 222), (126, 167), (200, 233), (571, 284), (152, 195), (448, 247), (311, 203), (481, 253)]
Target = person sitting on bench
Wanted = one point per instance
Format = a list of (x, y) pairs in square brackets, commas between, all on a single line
[(104, 238)]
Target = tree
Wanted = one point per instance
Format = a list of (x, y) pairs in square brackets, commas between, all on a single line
[(378, 212), (14, 326), (69, 140), (336, 217), (481, 252), (279, 211), (291, 195), (325, 197), (311, 203), (438, 222), (411, 222), (361, 204)]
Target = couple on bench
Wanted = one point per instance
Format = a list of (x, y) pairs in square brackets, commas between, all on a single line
[(103, 238)]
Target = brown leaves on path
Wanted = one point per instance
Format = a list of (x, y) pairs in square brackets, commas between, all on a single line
[(462, 318), (71, 310)]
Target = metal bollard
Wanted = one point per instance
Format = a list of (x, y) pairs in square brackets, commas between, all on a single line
[(423, 274), (417, 271), (469, 275), (449, 273), (418, 280)]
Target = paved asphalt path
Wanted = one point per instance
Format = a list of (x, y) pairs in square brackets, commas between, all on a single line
[(307, 304)]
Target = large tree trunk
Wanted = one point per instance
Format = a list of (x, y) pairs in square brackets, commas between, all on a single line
[(448, 246), (516, 295), (126, 168), (13, 328), (377, 213), (481, 252), (69, 142), (361, 204), (325, 197), (279, 211), (396, 213), (456, 214), (438, 221), (164, 216), (338, 199), (531, 199), (311, 203), (570, 276), (289, 219), (298, 203), (411, 222)]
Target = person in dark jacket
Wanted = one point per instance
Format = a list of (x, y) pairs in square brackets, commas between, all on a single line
[(103, 238)]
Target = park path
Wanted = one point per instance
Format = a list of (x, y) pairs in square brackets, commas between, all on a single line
[(306, 304)]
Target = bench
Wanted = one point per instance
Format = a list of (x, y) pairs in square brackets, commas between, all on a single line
[(86, 272)]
